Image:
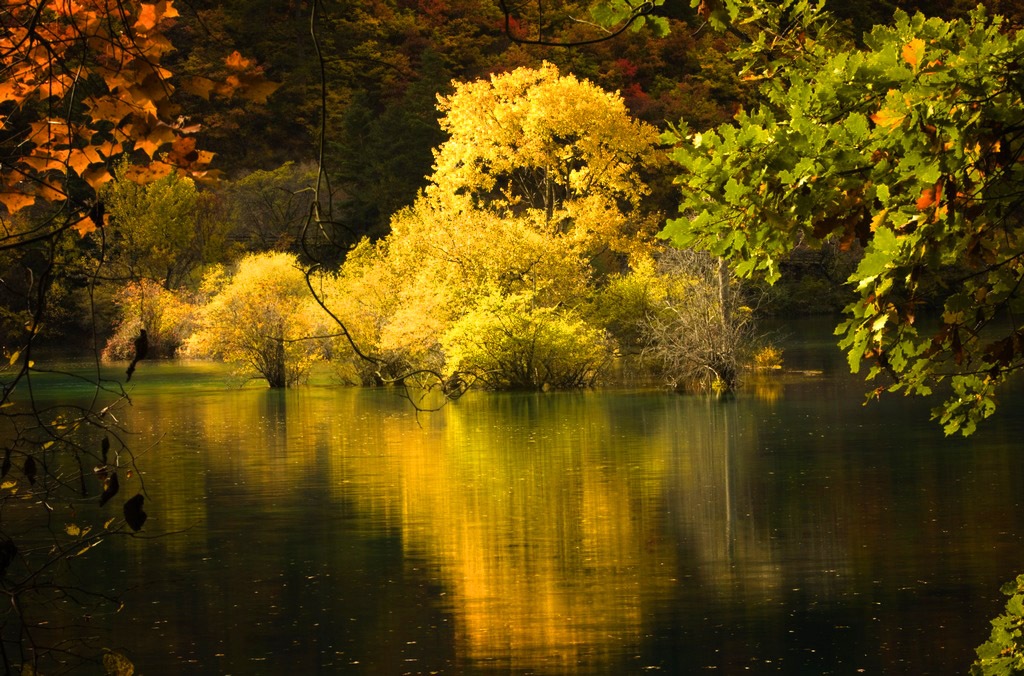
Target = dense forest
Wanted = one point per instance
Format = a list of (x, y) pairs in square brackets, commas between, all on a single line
[(291, 107)]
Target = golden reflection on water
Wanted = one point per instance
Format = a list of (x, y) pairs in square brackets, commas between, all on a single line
[(537, 528), (560, 529), (547, 518)]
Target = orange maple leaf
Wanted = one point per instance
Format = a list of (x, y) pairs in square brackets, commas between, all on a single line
[(926, 199), (49, 192), (152, 14), (15, 201), (96, 175), (147, 18), (13, 90), (930, 196), (84, 227), (183, 151)]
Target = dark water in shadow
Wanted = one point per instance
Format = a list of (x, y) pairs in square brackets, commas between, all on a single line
[(788, 530)]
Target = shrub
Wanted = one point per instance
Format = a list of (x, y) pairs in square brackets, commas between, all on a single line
[(508, 343), (168, 318), (262, 318)]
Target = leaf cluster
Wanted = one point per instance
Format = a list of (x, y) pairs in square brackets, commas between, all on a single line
[(1003, 653), (84, 83), (909, 147)]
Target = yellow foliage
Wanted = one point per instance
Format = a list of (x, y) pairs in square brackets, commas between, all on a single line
[(511, 342), (527, 195), (519, 121), (167, 316), (768, 357), (263, 319)]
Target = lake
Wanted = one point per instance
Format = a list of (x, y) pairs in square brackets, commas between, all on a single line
[(787, 530)]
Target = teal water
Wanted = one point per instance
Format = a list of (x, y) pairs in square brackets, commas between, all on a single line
[(788, 530)]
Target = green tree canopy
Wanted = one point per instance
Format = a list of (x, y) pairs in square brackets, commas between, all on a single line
[(158, 231), (909, 147)]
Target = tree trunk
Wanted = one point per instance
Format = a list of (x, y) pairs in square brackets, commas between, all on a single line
[(278, 376), (723, 295), (727, 368)]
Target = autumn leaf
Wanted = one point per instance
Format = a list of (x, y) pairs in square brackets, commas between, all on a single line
[(150, 134), (199, 86), (183, 152), (44, 161), (256, 88), (96, 176), (151, 15), (167, 10), (147, 18), (913, 52), (929, 197), (238, 62), (110, 109), (16, 201), (878, 219), (888, 119), (14, 91), (149, 90), (84, 227), (81, 161), (49, 192)]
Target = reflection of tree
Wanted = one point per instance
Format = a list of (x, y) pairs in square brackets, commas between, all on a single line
[(543, 532), (712, 494), (557, 528), (557, 525), (537, 527)]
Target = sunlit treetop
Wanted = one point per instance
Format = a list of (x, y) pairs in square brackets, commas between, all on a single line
[(82, 83), (909, 147), (536, 140)]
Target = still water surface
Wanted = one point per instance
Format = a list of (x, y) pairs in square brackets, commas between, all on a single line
[(789, 530)]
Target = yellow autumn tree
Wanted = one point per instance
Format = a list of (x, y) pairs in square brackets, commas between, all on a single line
[(531, 203), (551, 147), (261, 317)]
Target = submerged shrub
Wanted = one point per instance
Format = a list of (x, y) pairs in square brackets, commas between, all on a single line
[(262, 318), (508, 343), (167, 316)]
